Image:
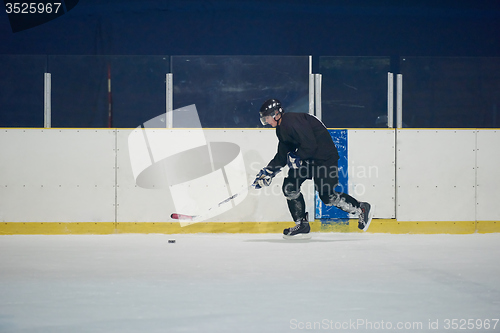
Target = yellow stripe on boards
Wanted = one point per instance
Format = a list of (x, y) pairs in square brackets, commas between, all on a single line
[(390, 226), (57, 228)]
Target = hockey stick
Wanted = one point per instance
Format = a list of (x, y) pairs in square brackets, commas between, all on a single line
[(188, 218)]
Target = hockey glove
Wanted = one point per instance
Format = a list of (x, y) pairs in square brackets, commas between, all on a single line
[(264, 178), (293, 160)]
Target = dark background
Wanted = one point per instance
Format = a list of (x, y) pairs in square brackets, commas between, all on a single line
[(264, 27), (394, 30)]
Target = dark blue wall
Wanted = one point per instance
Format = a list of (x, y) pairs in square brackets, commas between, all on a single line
[(160, 29), (265, 27)]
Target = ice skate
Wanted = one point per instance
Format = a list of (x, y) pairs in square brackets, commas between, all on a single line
[(300, 231), (365, 217)]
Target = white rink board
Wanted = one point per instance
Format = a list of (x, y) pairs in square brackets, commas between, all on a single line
[(436, 175), (136, 204), (57, 175), (68, 175), (371, 167), (371, 157), (488, 175)]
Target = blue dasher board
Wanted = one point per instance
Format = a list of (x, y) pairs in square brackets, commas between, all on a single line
[(323, 211)]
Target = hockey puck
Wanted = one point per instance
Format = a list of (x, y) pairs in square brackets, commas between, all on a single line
[(171, 240)]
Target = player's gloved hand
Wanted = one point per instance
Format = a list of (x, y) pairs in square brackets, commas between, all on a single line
[(264, 177), (293, 160)]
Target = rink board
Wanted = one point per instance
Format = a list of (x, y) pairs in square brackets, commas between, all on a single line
[(57, 175), (488, 175), (436, 175), (61, 181), (372, 169)]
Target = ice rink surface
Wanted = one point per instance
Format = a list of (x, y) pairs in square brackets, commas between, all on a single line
[(344, 282)]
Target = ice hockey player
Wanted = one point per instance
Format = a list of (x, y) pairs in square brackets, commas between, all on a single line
[(305, 145)]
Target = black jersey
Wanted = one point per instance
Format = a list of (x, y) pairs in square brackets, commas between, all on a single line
[(307, 137)]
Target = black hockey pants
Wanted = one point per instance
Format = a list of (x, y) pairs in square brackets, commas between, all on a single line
[(325, 180)]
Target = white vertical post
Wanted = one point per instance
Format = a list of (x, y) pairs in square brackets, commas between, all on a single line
[(311, 94), (169, 100), (399, 101), (47, 103), (390, 100), (311, 87), (317, 93), (310, 199)]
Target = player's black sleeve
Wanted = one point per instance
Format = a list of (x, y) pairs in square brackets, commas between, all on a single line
[(306, 136), (298, 132), (302, 132), (279, 159)]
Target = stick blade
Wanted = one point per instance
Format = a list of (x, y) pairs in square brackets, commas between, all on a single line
[(182, 217)]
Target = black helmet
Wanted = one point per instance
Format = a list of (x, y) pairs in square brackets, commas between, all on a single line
[(269, 107)]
